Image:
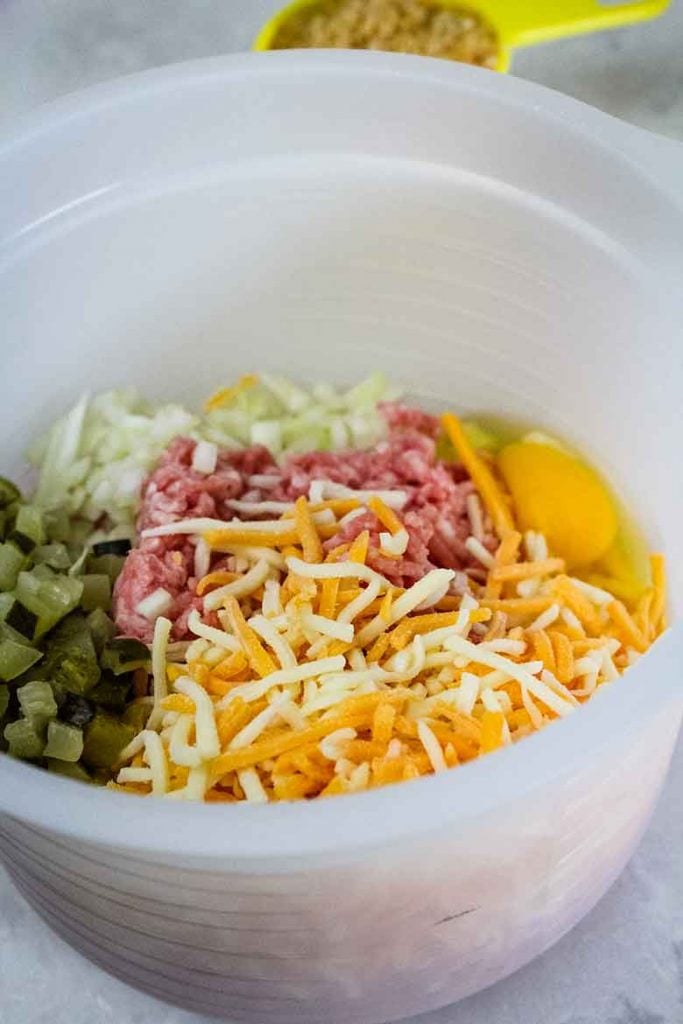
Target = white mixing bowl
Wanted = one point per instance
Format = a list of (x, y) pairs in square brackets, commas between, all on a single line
[(492, 244)]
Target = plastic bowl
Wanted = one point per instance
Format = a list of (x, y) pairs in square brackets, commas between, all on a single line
[(495, 245)]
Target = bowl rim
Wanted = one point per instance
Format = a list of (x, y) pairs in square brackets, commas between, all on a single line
[(280, 837), (289, 837)]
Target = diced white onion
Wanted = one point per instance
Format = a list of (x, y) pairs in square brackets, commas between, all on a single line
[(155, 604), (204, 457)]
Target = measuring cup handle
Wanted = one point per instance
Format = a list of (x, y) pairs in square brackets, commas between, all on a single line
[(522, 23)]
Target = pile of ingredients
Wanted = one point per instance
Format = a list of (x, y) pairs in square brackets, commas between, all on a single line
[(424, 27), (299, 593)]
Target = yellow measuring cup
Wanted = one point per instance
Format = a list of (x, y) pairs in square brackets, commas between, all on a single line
[(516, 23)]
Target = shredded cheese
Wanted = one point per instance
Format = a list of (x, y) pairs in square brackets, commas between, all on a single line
[(481, 475), (162, 632), (243, 586), (324, 678)]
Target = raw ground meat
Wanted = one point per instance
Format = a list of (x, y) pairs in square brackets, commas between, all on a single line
[(435, 514), (176, 491)]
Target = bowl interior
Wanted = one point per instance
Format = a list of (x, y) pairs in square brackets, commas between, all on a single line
[(325, 215)]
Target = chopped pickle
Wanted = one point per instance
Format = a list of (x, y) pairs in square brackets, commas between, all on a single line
[(96, 592), (24, 739), (15, 658), (71, 659), (64, 742), (136, 715), (12, 559), (37, 700), (105, 738), (125, 654), (55, 555), (68, 770), (9, 492)]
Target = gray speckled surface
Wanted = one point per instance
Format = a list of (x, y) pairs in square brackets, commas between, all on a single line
[(624, 963)]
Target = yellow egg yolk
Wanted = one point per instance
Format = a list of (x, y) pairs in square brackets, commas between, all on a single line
[(563, 498)]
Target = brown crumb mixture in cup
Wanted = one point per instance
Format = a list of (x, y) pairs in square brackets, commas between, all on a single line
[(401, 26)]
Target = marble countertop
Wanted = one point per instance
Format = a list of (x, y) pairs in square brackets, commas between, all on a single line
[(624, 963)]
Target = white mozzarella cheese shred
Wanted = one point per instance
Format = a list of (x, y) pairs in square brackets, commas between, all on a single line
[(322, 490), (155, 756), (204, 719), (333, 628), (467, 693), (283, 677), (354, 608), (241, 587), (180, 749), (162, 632), (430, 584), (478, 551), (267, 630), (219, 637), (432, 746), (516, 671), (338, 570), (252, 786), (253, 729)]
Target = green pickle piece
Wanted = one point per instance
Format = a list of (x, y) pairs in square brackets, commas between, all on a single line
[(68, 769), (49, 596), (136, 715), (15, 658), (105, 738), (102, 629), (4, 699), (55, 555), (109, 565), (111, 691), (9, 492), (12, 560), (64, 742), (71, 658), (29, 524), (125, 654), (96, 592), (37, 700), (25, 739)]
